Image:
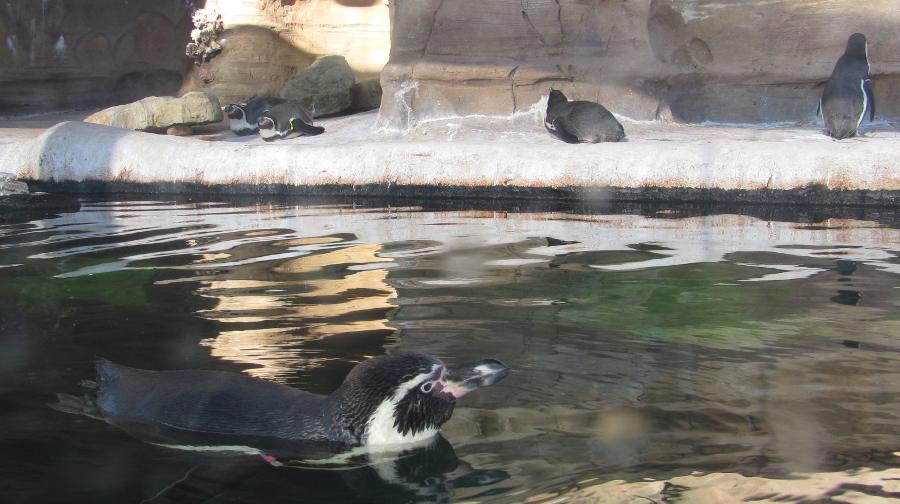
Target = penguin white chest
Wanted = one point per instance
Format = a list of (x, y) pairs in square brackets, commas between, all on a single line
[(268, 133), (382, 431), (240, 125)]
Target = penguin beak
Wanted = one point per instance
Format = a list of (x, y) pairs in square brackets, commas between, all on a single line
[(463, 379)]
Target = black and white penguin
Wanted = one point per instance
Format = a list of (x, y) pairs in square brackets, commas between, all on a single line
[(285, 120), (243, 117), (848, 93), (580, 121), (392, 399)]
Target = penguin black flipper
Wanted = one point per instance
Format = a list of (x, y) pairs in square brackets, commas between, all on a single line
[(870, 98), (561, 130), (301, 127)]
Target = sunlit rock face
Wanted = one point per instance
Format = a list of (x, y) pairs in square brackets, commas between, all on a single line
[(156, 113), (267, 41), (691, 60), (59, 54)]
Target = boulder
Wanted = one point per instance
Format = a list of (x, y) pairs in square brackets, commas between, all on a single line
[(325, 87), (9, 185), (180, 130), (366, 95), (157, 113)]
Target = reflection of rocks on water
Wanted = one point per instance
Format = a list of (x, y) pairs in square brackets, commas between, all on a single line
[(279, 315)]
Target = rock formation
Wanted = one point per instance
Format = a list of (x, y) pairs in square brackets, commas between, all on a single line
[(366, 95), (9, 185), (694, 60), (62, 54), (323, 88), (204, 42), (157, 114), (267, 41)]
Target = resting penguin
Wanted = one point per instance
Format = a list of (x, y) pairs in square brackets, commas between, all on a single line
[(242, 117), (392, 399), (287, 119), (848, 93), (580, 121)]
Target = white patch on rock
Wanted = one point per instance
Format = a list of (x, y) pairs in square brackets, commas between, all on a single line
[(60, 47)]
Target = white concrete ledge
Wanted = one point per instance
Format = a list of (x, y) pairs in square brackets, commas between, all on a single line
[(466, 154)]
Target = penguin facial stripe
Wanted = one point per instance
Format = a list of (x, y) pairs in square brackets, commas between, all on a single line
[(380, 427)]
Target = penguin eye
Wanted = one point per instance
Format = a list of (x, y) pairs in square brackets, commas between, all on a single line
[(427, 387)]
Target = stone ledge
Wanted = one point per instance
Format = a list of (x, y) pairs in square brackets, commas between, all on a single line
[(659, 163)]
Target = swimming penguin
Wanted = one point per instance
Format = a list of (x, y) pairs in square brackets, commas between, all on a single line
[(848, 93), (580, 121), (243, 117), (286, 119), (392, 399)]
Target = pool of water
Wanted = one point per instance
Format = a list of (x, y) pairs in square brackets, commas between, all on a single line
[(644, 343)]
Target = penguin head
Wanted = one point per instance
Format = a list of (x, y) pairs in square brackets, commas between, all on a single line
[(556, 97), (856, 46), (234, 111), (406, 397), (267, 127)]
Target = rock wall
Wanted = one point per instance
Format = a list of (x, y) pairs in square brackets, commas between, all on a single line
[(57, 54), (267, 41), (691, 60)]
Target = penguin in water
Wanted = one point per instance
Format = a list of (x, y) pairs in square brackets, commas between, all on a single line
[(243, 117), (392, 399), (285, 120), (848, 93), (580, 121)]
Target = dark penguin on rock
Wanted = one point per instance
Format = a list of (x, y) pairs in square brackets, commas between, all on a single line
[(285, 120), (580, 121), (243, 117), (848, 93), (392, 399)]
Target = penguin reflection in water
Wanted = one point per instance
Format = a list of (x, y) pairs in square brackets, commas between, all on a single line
[(285, 120), (580, 121), (426, 472), (243, 117), (848, 93)]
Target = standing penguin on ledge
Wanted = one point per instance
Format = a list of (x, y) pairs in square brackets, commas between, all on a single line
[(848, 93), (580, 121), (285, 120), (242, 117)]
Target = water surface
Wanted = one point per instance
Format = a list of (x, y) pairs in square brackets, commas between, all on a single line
[(644, 343)]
